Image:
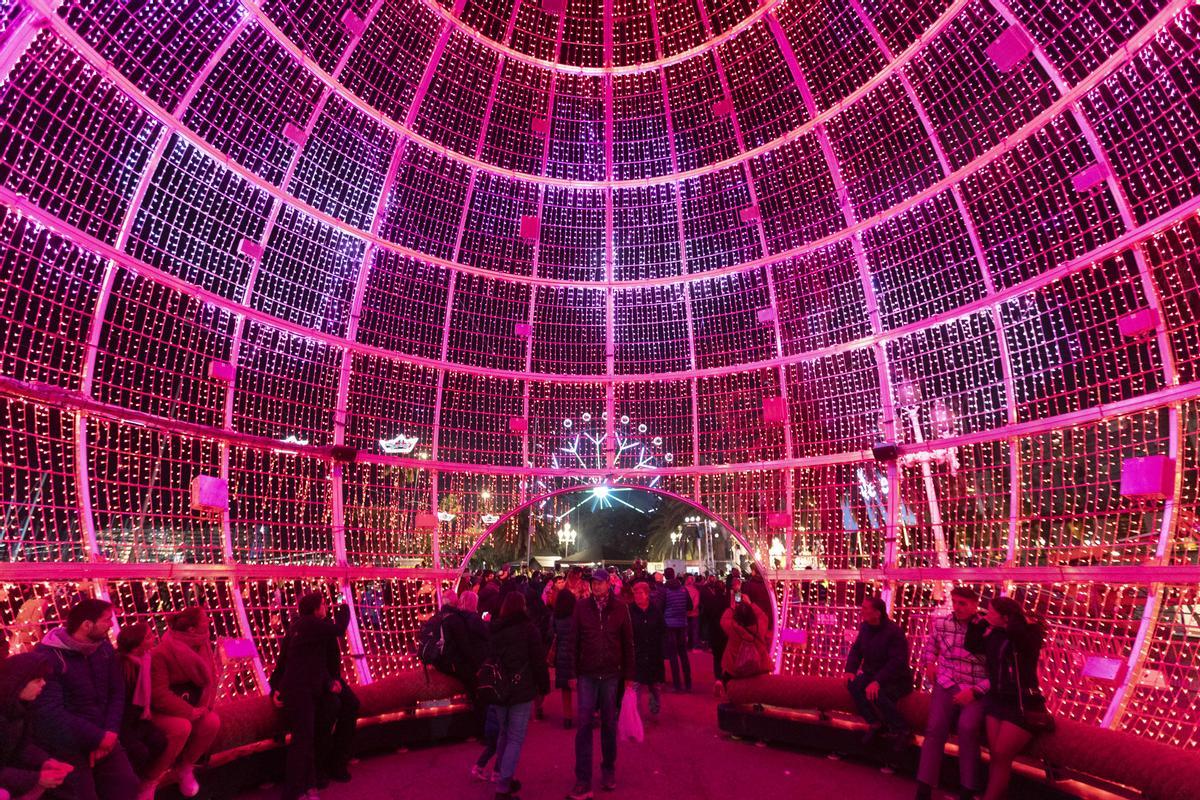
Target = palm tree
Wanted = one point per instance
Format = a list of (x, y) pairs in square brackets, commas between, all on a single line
[(669, 516)]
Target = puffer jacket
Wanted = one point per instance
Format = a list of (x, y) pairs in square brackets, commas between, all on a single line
[(84, 697), (676, 605), (517, 646)]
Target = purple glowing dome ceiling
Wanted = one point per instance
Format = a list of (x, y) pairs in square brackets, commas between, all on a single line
[(330, 287)]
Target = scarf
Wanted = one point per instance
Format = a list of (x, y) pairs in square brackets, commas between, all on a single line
[(142, 685), (193, 654), (59, 639)]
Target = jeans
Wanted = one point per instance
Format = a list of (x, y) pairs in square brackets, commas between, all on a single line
[(945, 717), (596, 693), (883, 710), (110, 778), (491, 736), (337, 721), (514, 722), (655, 692), (676, 653)]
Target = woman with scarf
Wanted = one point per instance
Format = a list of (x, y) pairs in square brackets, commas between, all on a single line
[(183, 689), (143, 741), (25, 769)]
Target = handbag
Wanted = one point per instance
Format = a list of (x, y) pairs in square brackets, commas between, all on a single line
[(747, 662), (1036, 716)]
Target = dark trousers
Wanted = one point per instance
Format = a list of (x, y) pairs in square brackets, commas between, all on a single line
[(677, 657), (112, 778), (882, 710), (946, 717), (718, 640), (693, 632), (596, 693), (301, 708), (335, 730)]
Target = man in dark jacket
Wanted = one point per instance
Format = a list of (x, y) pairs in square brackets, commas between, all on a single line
[(307, 681), (77, 717), (603, 660), (676, 605), (877, 671)]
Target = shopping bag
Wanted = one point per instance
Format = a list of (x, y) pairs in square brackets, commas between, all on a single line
[(629, 724)]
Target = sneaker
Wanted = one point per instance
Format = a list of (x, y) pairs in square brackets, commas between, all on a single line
[(581, 792), (147, 790), (481, 773), (608, 781), (312, 794), (188, 785)]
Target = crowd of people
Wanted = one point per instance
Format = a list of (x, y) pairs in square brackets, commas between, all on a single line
[(80, 718), (606, 636)]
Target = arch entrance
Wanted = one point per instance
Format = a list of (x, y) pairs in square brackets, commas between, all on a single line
[(601, 493)]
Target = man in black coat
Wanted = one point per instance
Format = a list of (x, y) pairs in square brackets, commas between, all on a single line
[(321, 709), (877, 671), (604, 659)]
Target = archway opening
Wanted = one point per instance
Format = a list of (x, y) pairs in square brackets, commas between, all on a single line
[(621, 526)]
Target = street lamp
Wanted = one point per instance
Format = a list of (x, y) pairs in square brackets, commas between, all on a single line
[(676, 535), (567, 537)]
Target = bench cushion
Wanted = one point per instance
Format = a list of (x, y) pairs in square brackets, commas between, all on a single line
[(1159, 771), (247, 720)]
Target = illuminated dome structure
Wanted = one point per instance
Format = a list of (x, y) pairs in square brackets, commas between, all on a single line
[(358, 263)]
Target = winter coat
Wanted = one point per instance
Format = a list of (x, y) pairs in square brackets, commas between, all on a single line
[(882, 653), (564, 650), (517, 646), (84, 698), (648, 632), (171, 678), (603, 640), (756, 638), (1012, 661), (489, 599), (309, 658), (466, 638), (676, 605), (20, 759)]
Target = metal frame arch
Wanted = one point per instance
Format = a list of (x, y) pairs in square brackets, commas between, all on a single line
[(464, 565)]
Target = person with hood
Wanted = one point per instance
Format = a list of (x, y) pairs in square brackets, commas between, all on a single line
[(748, 641), (183, 684), (517, 647), (676, 605), (877, 672), (26, 771), (307, 683), (649, 631), (143, 741), (77, 717)]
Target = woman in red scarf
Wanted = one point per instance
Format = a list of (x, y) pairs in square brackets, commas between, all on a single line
[(184, 685)]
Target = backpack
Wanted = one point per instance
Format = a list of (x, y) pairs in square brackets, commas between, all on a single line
[(493, 686), (431, 641)]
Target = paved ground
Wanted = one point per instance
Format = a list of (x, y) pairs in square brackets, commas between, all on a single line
[(684, 757)]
